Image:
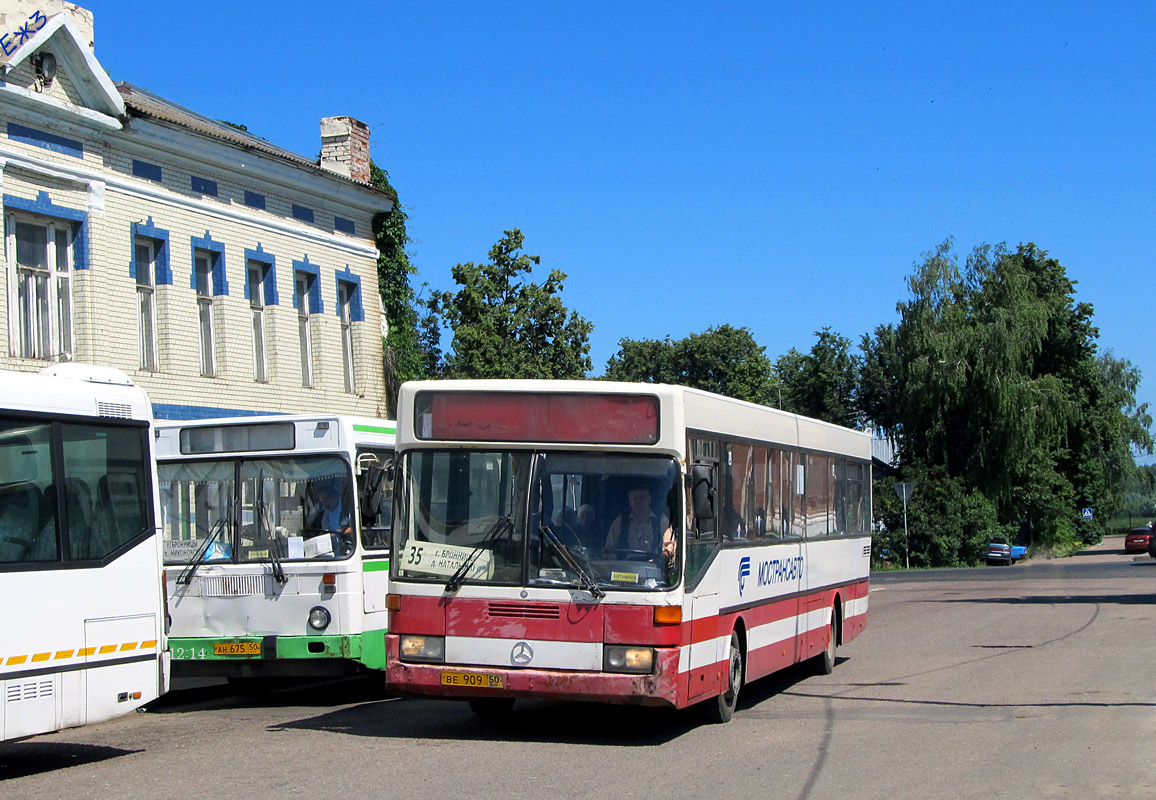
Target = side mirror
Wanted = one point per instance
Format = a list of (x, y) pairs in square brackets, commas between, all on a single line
[(702, 497)]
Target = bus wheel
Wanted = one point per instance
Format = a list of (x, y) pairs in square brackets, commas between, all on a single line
[(491, 707), (825, 662), (722, 708)]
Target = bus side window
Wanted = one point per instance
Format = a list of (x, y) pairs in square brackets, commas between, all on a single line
[(20, 524)]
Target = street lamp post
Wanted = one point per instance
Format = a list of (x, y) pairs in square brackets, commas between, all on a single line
[(904, 491)]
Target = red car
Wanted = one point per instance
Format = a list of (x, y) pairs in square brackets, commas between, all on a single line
[(1137, 540)]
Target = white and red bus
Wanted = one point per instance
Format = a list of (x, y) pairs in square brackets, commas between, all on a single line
[(622, 543), (83, 634)]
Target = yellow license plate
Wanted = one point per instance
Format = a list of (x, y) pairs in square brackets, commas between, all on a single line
[(236, 648), (474, 680)]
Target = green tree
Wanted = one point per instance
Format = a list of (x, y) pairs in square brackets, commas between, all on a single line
[(725, 360), (992, 376), (505, 326), (823, 383), (402, 355)]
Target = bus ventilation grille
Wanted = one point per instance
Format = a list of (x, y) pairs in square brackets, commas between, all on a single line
[(106, 408), (233, 586), (524, 611), (33, 690)]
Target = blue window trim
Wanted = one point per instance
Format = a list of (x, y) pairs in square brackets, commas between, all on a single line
[(254, 200), (303, 213), (356, 312), (150, 172), (316, 306), (270, 280), (44, 206), (49, 141), (345, 225), (220, 281), (203, 185), (178, 412), (160, 238)]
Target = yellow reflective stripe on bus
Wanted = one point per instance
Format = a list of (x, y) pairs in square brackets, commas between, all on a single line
[(83, 652)]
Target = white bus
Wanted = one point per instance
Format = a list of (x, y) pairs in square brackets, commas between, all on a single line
[(625, 543), (276, 541), (82, 638)]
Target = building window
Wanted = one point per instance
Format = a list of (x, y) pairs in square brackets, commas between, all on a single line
[(258, 273), (203, 277), (346, 298), (302, 213), (303, 288), (143, 169), (254, 200), (43, 287), (146, 293), (204, 186), (344, 225)]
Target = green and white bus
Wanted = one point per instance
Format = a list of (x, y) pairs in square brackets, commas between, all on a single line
[(276, 533)]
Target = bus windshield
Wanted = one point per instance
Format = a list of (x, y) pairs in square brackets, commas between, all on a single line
[(574, 520), (257, 510)]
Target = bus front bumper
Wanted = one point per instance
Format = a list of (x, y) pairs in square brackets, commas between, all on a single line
[(659, 688), (265, 656)]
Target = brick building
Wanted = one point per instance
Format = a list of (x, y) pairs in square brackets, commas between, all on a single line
[(222, 273)]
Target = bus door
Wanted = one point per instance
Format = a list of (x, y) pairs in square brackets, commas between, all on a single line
[(702, 540), (375, 506)]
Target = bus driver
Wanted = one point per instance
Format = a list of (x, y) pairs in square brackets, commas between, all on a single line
[(642, 528)]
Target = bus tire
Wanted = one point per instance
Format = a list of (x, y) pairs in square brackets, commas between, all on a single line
[(824, 663), (491, 707), (722, 708)]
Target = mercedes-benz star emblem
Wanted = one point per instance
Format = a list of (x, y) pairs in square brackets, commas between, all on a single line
[(522, 654)]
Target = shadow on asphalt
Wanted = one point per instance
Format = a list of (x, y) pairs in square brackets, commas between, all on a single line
[(533, 720), (1061, 599), (35, 756), (279, 694)]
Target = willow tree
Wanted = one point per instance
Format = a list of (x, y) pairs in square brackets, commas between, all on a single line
[(992, 374)]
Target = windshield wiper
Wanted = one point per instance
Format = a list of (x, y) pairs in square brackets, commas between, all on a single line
[(584, 579), (214, 534), (501, 525), (259, 513)]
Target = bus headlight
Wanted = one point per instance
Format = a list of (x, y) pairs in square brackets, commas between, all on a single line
[(319, 618), (423, 648), (619, 658)]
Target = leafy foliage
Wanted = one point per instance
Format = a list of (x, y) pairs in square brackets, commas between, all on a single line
[(403, 356), (822, 384), (991, 383), (503, 325), (725, 360), (948, 523)]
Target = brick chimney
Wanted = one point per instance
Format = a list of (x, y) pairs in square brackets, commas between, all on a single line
[(345, 147)]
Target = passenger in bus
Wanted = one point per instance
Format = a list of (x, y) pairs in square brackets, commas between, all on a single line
[(645, 532), (586, 521)]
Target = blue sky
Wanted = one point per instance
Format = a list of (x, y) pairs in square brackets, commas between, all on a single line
[(779, 166)]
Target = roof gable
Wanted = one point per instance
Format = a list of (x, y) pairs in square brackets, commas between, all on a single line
[(75, 58)]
